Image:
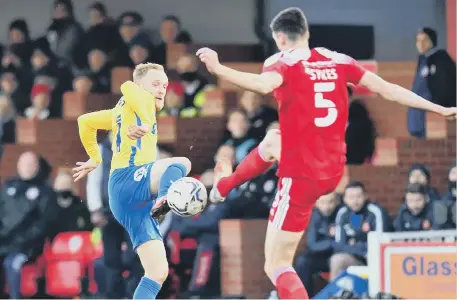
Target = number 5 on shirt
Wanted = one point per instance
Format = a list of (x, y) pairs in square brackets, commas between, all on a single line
[(320, 102)]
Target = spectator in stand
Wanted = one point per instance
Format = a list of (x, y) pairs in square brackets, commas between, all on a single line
[(27, 208), (260, 115), (360, 134), (18, 51), (141, 51), (320, 241), (449, 196), (419, 213), (46, 71), (193, 82), (65, 33), (102, 34), (174, 103), (115, 259), (72, 212), (11, 88), (13, 101), (96, 77), (131, 30), (353, 222), (238, 127), (171, 32), (41, 98), (419, 173), (435, 79)]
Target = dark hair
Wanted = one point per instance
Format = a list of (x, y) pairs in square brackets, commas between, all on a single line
[(291, 21), (68, 6), (100, 7), (416, 188), (174, 19), (355, 184)]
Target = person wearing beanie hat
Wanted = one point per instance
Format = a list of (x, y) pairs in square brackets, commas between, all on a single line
[(435, 78), (420, 174), (41, 97), (18, 31)]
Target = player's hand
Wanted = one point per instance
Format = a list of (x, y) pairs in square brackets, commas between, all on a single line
[(135, 132), (210, 58), (449, 113), (83, 168)]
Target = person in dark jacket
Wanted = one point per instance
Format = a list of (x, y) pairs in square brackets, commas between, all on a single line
[(72, 212), (419, 173), (64, 34), (451, 192), (320, 241), (360, 134), (353, 222), (238, 126), (27, 210), (419, 213), (435, 79)]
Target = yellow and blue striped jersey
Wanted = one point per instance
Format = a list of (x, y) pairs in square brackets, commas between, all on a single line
[(137, 106)]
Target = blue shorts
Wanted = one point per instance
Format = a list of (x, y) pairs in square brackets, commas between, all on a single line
[(130, 200)]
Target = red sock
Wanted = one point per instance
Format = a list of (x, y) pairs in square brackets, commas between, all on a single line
[(289, 286), (250, 167)]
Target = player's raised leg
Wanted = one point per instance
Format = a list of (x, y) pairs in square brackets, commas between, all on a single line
[(163, 173), (254, 164)]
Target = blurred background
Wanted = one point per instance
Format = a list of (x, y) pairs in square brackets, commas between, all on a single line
[(61, 59)]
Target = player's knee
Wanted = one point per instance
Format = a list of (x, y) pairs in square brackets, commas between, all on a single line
[(269, 144), (185, 162), (157, 272)]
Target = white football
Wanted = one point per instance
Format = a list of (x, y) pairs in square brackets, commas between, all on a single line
[(187, 197)]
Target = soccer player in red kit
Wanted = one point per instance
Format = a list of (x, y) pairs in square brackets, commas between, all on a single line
[(310, 86)]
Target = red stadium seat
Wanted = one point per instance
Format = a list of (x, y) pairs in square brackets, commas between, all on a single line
[(63, 278), (73, 246), (29, 275)]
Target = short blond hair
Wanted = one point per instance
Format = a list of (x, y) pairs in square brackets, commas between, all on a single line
[(142, 69)]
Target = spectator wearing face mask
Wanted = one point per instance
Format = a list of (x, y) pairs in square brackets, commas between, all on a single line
[(419, 173), (193, 82), (64, 34), (27, 210), (72, 212), (353, 222), (420, 214), (260, 116), (174, 103), (238, 127), (320, 241)]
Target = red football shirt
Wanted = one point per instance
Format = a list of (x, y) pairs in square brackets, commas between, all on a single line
[(313, 110)]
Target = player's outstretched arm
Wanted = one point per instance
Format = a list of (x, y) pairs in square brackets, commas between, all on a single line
[(393, 92), (259, 83), (88, 124), (136, 98)]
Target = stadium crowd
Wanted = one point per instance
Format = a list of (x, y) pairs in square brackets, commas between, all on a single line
[(33, 211)]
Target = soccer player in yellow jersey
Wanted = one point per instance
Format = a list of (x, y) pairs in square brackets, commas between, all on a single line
[(136, 177)]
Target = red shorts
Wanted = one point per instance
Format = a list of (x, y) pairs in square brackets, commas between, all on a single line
[(295, 200)]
